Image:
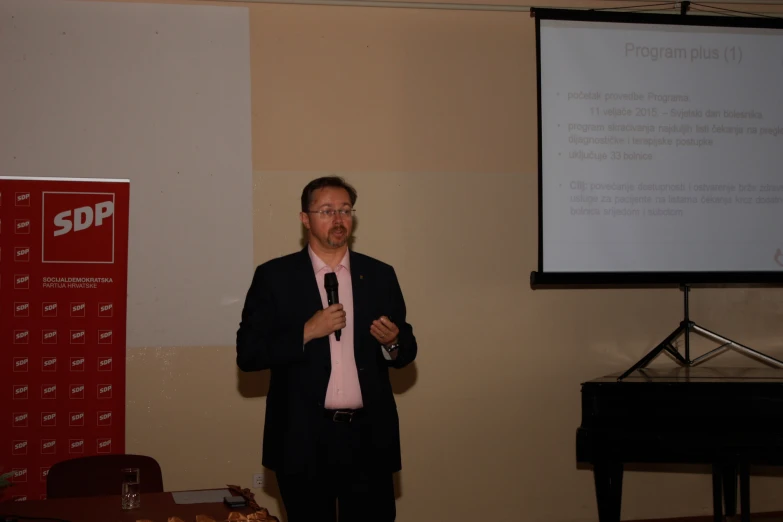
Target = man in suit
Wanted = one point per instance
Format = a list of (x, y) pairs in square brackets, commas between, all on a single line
[(331, 432)]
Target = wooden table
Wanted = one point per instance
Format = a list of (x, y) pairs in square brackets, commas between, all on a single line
[(157, 507)]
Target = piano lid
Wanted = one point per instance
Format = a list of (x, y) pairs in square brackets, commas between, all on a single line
[(684, 374)]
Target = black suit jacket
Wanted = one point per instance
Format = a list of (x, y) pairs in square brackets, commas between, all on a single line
[(282, 297)]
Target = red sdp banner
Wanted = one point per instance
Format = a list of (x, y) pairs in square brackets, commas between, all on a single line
[(63, 287)]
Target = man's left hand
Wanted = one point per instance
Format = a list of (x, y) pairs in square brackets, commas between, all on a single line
[(384, 330)]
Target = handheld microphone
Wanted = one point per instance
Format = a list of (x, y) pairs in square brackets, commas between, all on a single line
[(330, 283)]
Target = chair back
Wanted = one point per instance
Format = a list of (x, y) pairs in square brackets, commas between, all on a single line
[(99, 475)]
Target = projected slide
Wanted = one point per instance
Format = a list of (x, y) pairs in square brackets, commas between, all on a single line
[(661, 147)]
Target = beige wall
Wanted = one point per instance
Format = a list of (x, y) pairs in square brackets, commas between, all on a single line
[(432, 115)]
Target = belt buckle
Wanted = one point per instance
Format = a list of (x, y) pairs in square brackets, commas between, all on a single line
[(342, 416)]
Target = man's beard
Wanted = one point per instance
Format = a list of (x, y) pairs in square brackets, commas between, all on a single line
[(338, 243)]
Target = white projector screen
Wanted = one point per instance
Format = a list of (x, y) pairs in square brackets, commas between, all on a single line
[(661, 140)]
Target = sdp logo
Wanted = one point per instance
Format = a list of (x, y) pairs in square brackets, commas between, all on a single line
[(78, 227)]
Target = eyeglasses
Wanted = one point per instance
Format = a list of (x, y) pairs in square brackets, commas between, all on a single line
[(330, 213)]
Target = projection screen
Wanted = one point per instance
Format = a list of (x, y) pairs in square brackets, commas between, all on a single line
[(660, 148)]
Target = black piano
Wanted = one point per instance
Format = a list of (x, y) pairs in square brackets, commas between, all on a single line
[(730, 418)]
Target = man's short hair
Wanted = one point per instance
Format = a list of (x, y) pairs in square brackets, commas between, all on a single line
[(327, 181)]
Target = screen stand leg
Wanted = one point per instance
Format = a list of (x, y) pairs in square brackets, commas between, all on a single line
[(686, 327)]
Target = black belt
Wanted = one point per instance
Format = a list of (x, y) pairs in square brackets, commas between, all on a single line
[(343, 415)]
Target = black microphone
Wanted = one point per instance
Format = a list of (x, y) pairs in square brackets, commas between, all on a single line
[(330, 283)]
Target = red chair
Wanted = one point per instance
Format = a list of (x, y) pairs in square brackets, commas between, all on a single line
[(100, 475)]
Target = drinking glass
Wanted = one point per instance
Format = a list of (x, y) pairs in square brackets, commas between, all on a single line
[(131, 498)]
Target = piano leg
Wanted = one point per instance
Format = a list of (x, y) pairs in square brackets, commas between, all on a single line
[(744, 479), (717, 489), (729, 472), (608, 478)]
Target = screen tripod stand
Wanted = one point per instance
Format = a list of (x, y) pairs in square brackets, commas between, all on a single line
[(685, 328)]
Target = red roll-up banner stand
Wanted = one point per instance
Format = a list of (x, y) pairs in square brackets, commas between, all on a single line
[(63, 288)]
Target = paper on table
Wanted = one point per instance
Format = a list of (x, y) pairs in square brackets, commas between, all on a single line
[(200, 497)]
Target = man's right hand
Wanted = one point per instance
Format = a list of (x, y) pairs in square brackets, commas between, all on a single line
[(324, 322)]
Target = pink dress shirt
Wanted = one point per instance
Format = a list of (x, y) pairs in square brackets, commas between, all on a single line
[(343, 390)]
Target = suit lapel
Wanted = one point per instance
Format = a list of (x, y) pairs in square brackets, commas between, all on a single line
[(311, 292), (361, 321), (311, 302)]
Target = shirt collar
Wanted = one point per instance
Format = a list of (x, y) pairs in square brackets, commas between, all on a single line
[(318, 263)]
